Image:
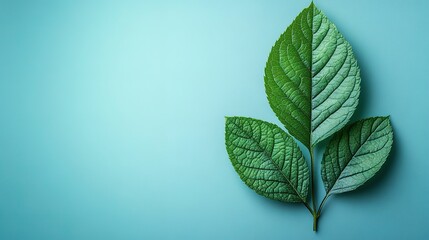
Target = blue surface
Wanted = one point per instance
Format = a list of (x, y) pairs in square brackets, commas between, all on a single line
[(112, 119)]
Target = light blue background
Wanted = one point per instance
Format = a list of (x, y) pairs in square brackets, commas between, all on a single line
[(112, 119)]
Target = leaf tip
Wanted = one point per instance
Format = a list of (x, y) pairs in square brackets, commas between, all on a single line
[(387, 117), (312, 5)]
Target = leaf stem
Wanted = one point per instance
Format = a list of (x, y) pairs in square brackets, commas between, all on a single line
[(315, 217), (313, 198), (322, 204), (309, 208), (313, 191)]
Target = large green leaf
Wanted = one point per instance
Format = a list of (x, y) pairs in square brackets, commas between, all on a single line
[(267, 159), (312, 79), (355, 154)]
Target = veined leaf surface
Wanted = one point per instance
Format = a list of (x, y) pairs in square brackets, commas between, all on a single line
[(312, 79), (355, 154), (267, 159)]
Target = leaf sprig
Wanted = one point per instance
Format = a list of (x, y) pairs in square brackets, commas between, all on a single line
[(312, 82)]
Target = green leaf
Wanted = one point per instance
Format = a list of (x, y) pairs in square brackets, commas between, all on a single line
[(267, 159), (312, 79), (355, 154)]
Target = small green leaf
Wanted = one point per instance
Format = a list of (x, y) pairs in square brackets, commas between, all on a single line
[(267, 159), (312, 79), (355, 154)]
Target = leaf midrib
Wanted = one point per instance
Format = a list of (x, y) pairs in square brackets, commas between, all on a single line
[(354, 154), (270, 158), (310, 144)]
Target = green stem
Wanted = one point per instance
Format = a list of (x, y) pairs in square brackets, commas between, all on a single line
[(313, 191), (315, 217), (309, 208), (322, 204)]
